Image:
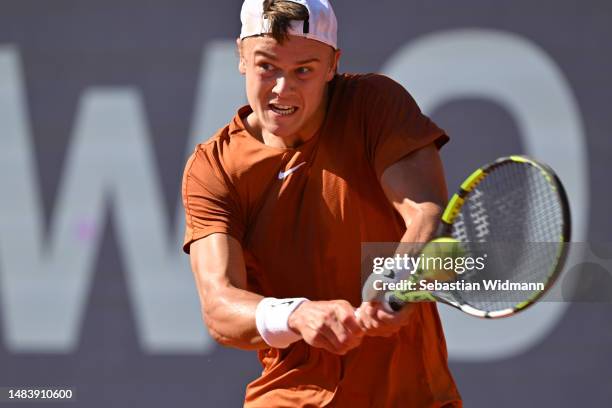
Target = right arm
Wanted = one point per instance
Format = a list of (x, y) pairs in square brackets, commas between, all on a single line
[(229, 309)]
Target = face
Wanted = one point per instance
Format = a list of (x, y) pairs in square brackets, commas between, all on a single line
[(286, 84)]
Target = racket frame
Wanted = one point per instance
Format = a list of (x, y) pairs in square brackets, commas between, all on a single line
[(453, 209)]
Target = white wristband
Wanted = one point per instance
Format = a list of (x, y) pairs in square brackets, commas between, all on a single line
[(271, 318)]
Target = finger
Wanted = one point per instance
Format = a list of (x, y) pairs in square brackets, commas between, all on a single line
[(353, 326), (361, 317), (384, 316), (349, 331), (374, 309), (350, 322), (320, 335), (317, 333), (367, 317), (364, 310), (341, 334), (327, 333), (381, 320), (321, 341), (369, 323), (336, 341)]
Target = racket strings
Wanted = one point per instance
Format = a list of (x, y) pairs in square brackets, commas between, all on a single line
[(515, 217)]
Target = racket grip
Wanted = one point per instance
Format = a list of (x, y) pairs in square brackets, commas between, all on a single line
[(392, 303), (395, 301)]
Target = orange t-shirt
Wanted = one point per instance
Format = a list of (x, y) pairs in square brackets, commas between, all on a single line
[(301, 215)]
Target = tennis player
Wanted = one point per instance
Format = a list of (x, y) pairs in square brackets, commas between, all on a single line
[(278, 202)]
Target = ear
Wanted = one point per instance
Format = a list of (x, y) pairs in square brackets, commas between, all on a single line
[(333, 69), (241, 61)]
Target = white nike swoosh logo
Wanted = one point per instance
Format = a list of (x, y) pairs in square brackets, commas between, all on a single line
[(284, 174)]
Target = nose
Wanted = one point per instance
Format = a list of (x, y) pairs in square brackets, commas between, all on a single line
[(283, 85)]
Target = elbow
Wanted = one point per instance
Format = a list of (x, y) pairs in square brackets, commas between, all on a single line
[(213, 327), (224, 340), (218, 337), (216, 334), (228, 334)]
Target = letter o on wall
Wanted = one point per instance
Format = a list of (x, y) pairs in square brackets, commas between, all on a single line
[(523, 79)]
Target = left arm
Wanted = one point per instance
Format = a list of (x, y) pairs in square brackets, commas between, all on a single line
[(416, 188)]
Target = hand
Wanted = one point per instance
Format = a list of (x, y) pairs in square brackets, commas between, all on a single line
[(376, 321), (330, 325)]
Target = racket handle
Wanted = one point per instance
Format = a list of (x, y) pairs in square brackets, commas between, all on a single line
[(395, 301), (392, 303)]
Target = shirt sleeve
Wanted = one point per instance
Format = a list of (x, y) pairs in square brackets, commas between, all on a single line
[(211, 204), (394, 124)]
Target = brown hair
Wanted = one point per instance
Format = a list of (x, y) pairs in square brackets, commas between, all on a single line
[(280, 13)]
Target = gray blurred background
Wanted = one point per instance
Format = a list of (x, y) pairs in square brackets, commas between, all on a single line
[(102, 101)]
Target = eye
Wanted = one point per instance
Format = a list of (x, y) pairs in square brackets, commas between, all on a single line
[(303, 70), (265, 67)]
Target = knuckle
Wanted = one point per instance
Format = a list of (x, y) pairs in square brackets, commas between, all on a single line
[(327, 323), (347, 306), (346, 319), (343, 304), (329, 315), (319, 326)]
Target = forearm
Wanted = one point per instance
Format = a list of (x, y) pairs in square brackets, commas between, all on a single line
[(234, 316), (227, 307), (331, 325), (230, 317), (422, 223), (416, 188)]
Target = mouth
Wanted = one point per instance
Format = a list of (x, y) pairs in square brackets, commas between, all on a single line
[(283, 110)]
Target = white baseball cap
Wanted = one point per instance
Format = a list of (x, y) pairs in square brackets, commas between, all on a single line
[(321, 24)]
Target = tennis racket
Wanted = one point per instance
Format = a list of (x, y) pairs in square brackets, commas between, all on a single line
[(515, 208)]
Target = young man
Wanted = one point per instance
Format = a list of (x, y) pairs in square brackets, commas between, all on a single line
[(278, 202)]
